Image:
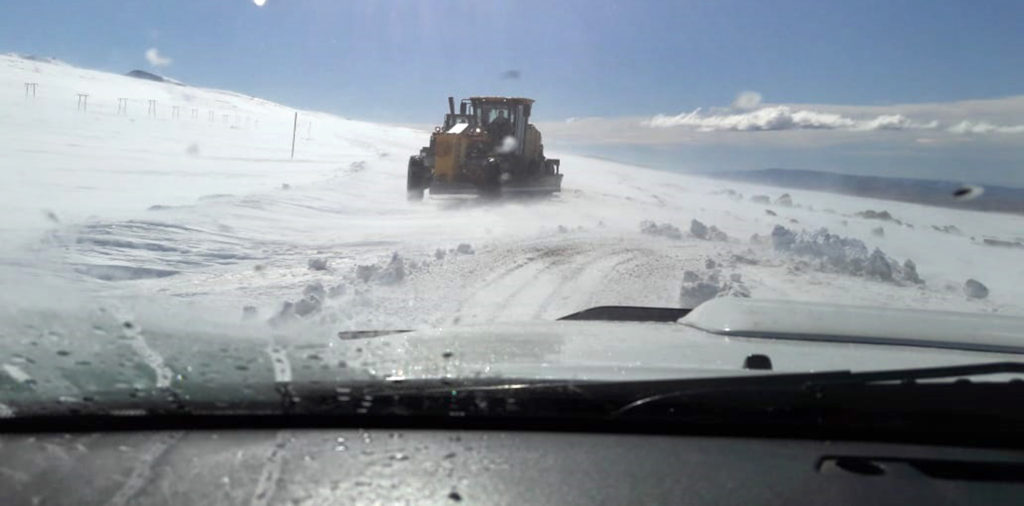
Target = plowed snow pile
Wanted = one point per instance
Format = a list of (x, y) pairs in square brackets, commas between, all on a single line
[(197, 209)]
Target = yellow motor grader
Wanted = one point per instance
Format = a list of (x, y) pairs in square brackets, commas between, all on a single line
[(488, 148)]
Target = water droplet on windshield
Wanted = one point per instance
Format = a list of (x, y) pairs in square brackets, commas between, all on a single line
[(63, 353), (399, 456)]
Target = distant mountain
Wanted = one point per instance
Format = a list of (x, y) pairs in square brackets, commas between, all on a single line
[(919, 191), (149, 76)]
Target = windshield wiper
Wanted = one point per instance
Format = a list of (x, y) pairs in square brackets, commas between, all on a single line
[(821, 380), (896, 405)]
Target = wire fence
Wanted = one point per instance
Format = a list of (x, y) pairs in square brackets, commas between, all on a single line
[(131, 107)]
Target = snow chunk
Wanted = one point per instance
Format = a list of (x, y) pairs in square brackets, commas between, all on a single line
[(974, 289), (745, 260), (439, 254), (336, 291), (315, 290), (949, 229), (365, 273), (698, 229), (878, 215), (784, 200), (465, 249), (664, 230), (317, 264), (696, 290), (834, 253), (307, 306), (702, 231), (878, 266), (714, 234), (910, 272), (878, 232), (392, 273), (761, 199)]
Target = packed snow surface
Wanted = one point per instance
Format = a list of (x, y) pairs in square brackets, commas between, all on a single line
[(184, 203)]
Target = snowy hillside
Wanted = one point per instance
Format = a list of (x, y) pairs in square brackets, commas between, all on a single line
[(194, 209)]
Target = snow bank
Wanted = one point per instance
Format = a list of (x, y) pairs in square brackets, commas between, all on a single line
[(697, 288), (663, 230), (702, 231), (834, 253)]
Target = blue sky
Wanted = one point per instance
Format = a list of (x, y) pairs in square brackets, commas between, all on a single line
[(395, 61)]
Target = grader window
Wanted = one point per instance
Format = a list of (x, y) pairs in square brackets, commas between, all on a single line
[(491, 113)]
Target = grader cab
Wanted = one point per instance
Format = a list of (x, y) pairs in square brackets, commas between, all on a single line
[(487, 148)]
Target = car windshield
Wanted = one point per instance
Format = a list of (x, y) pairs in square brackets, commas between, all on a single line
[(200, 193)]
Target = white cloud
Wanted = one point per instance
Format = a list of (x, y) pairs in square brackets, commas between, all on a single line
[(155, 59), (747, 100), (995, 122), (984, 127), (781, 117)]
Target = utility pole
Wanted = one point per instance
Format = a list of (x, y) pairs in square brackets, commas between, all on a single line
[(295, 126)]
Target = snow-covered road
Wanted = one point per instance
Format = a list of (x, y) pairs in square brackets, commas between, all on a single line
[(212, 217)]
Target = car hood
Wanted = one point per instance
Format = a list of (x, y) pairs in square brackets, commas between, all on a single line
[(713, 340)]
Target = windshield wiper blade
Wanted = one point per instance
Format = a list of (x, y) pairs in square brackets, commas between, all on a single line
[(819, 381), (921, 373)]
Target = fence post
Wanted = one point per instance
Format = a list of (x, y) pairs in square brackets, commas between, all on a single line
[(122, 106), (295, 126), (30, 87), (152, 108), (83, 101)]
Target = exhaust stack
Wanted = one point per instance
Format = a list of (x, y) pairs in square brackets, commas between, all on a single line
[(451, 105)]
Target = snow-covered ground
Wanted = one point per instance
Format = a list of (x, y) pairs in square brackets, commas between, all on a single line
[(201, 215)]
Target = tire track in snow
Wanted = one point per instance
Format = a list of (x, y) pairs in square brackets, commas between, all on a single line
[(591, 278), (143, 471), (489, 281), (497, 297), (271, 473), (282, 367), (154, 360), (530, 288)]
